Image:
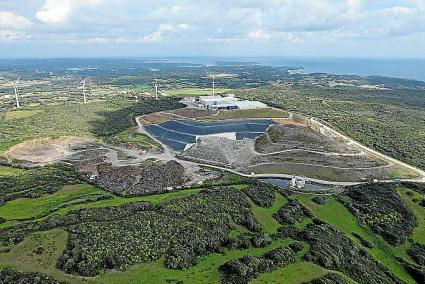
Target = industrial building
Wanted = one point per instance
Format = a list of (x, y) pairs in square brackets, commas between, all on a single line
[(228, 103)]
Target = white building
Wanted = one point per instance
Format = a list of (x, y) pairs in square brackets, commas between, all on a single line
[(250, 105), (229, 103), (216, 100)]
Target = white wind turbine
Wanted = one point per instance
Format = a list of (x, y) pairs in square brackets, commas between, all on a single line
[(213, 82), (15, 86), (156, 88), (83, 82)]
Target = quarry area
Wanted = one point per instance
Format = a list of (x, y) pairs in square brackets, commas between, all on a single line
[(284, 146), (187, 146)]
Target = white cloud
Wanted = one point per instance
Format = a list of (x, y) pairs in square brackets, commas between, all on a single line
[(60, 11), (158, 34), (306, 23), (354, 5), (259, 34), (11, 21)]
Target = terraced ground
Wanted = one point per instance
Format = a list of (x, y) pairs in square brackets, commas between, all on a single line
[(282, 147)]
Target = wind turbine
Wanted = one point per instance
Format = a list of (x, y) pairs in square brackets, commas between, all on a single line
[(15, 86), (83, 82), (156, 88), (213, 82)]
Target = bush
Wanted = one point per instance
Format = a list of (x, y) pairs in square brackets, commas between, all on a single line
[(380, 207), (417, 252), (261, 194)]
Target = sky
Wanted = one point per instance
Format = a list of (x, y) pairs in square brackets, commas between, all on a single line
[(153, 28)]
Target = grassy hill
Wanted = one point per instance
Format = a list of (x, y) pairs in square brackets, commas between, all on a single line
[(29, 246)]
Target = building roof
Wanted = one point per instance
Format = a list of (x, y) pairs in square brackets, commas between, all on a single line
[(250, 104)]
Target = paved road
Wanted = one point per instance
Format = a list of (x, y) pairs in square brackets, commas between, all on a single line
[(374, 152)]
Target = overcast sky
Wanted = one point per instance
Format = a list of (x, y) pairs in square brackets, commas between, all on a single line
[(75, 28)]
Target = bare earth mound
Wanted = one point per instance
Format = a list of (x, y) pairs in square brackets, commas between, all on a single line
[(293, 150), (286, 137), (220, 150), (45, 150)]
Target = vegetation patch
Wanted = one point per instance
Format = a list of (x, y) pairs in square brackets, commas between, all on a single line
[(140, 180), (261, 194), (249, 267), (330, 278), (28, 208), (332, 250), (7, 171), (18, 114), (11, 276), (133, 140), (335, 213), (417, 252), (98, 119), (37, 254), (291, 213), (182, 230), (36, 182), (297, 273), (195, 92), (380, 207)]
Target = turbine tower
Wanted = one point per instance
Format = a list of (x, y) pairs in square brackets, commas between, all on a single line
[(83, 82), (213, 85), (213, 82), (15, 86), (156, 88)]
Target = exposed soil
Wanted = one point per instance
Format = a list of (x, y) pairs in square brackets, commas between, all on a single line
[(320, 172), (285, 137), (222, 150), (46, 150), (193, 112), (158, 117), (304, 157)]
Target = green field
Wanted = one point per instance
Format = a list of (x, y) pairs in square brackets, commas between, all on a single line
[(295, 273), (18, 114), (24, 257), (4, 171), (195, 92), (206, 271), (265, 215), (68, 199), (27, 208)]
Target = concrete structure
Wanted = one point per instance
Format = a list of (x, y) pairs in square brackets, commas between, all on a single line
[(228, 103), (213, 100), (250, 105), (297, 183), (228, 135)]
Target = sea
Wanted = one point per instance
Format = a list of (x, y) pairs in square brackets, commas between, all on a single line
[(396, 68)]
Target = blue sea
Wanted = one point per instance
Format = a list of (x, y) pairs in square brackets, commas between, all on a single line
[(397, 68)]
